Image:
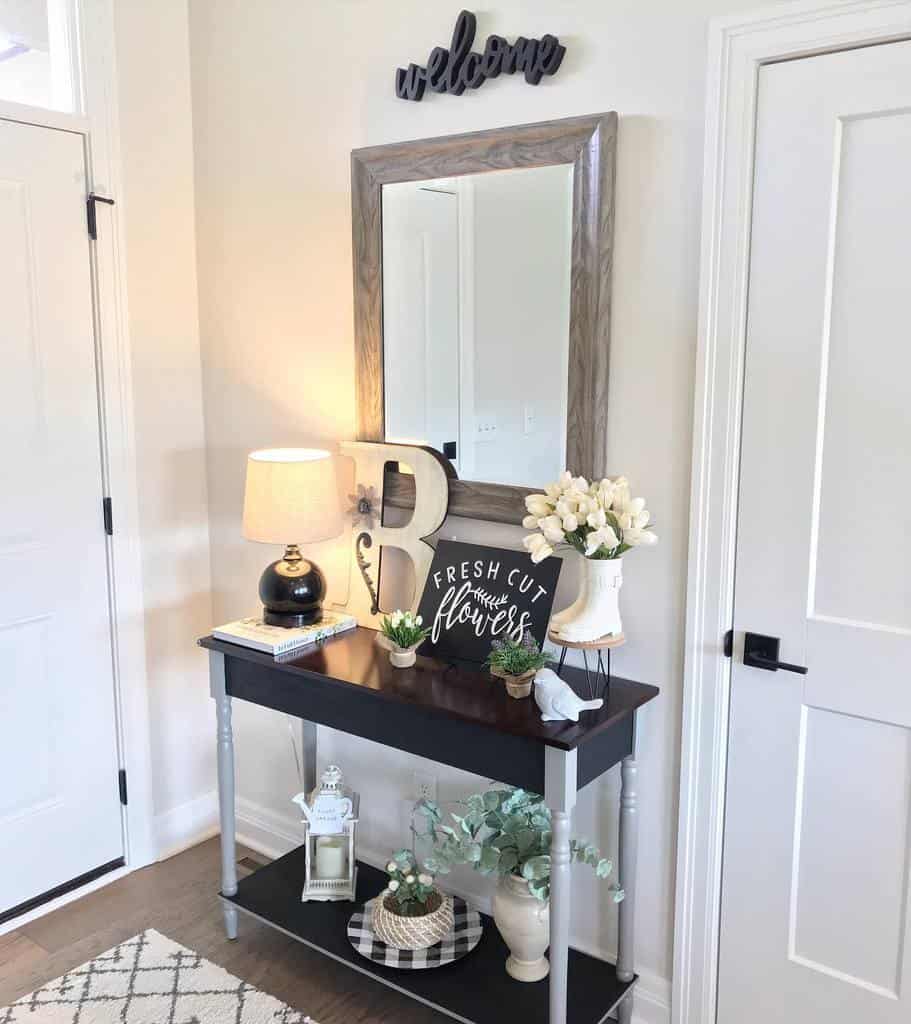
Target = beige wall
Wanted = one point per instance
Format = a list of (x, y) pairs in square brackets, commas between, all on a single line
[(158, 210), (282, 92)]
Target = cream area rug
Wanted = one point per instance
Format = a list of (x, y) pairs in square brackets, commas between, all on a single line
[(149, 980)]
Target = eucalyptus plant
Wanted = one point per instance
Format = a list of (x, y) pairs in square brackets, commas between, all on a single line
[(503, 831)]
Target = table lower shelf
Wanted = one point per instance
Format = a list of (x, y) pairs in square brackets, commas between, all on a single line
[(475, 989)]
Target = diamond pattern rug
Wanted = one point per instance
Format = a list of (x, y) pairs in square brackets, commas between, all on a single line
[(149, 980)]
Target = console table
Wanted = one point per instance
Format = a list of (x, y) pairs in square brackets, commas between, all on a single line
[(459, 716)]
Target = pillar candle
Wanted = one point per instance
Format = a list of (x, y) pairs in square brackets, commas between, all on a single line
[(331, 857)]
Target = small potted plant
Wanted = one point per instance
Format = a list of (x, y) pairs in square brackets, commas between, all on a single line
[(516, 662), (507, 833), (405, 633), (411, 913)]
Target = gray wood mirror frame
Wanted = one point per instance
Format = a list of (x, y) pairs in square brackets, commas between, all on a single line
[(589, 145)]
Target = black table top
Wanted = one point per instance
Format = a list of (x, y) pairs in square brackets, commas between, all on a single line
[(354, 662)]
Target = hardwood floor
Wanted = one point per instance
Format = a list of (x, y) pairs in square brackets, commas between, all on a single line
[(177, 898)]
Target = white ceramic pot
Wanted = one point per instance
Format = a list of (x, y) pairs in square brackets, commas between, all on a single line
[(412, 932), (524, 923), (596, 611), (404, 657)]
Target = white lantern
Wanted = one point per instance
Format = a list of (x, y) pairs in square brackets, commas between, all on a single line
[(330, 819)]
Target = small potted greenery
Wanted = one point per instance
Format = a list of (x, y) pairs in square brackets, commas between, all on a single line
[(405, 634), (506, 832), (516, 662), (411, 913)]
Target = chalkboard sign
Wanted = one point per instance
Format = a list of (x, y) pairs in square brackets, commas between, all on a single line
[(475, 594)]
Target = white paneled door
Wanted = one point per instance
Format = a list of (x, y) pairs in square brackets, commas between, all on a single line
[(59, 799), (815, 906)]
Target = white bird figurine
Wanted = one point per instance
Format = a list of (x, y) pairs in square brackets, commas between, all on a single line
[(557, 700)]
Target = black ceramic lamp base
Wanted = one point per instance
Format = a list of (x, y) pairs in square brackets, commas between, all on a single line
[(292, 591)]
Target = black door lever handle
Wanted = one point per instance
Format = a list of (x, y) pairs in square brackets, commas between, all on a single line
[(761, 651)]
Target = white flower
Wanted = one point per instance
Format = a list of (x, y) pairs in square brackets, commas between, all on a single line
[(418, 620), (537, 547), (564, 480), (393, 885), (597, 518), (580, 483), (565, 506), (570, 522), (538, 505), (391, 866), (409, 879), (552, 528), (397, 618), (530, 522), (553, 491), (425, 879), (604, 536), (634, 537)]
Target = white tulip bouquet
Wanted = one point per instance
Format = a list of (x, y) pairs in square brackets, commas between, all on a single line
[(599, 519)]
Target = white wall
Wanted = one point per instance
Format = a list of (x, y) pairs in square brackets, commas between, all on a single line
[(158, 207), (282, 92)]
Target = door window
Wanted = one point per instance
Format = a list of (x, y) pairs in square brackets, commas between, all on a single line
[(37, 54)]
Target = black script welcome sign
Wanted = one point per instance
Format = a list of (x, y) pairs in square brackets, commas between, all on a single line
[(457, 69), (475, 594)]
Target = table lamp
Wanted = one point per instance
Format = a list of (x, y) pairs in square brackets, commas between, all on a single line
[(291, 498)]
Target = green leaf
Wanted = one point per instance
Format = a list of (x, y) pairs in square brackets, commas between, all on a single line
[(603, 868), (509, 860), (491, 800), (515, 822), (526, 839), (536, 868), (490, 858), (540, 821)]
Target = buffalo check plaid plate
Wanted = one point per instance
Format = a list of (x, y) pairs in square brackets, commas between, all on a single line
[(465, 935)]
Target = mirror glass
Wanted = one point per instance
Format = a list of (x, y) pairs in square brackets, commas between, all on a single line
[(476, 305)]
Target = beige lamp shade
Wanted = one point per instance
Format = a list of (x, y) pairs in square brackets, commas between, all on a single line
[(291, 496)]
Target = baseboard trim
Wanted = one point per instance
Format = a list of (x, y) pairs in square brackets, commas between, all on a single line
[(272, 835), (186, 825)]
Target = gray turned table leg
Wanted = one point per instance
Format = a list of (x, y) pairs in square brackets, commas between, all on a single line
[(225, 750), (560, 794), (629, 841), (308, 755)]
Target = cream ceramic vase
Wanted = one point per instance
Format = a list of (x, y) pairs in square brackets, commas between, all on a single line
[(596, 611), (404, 657), (524, 923)]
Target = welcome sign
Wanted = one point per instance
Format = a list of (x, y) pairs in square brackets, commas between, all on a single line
[(476, 594)]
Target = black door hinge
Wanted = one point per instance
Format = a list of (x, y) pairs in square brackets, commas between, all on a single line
[(729, 644), (108, 514), (449, 449), (122, 783), (91, 200)]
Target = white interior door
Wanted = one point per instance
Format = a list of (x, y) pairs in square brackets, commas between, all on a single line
[(421, 314), (59, 800), (815, 923)]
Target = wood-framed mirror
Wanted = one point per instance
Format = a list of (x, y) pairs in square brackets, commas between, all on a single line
[(482, 278)]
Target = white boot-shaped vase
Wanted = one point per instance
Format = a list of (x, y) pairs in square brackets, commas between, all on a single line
[(524, 922), (596, 612)]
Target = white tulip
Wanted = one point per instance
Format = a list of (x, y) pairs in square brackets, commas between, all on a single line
[(553, 491), (409, 879), (642, 520), (570, 522), (552, 528), (397, 618), (580, 483), (418, 620), (565, 480), (530, 522), (425, 879), (393, 885), (391, 866), (538, 505), (635, 537), (596, 519), (635, 506), (542, 552), (604, 536), (565, 507)]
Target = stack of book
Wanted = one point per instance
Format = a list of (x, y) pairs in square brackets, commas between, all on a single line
[(276, 640)]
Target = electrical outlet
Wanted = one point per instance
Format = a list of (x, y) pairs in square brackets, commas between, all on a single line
[(486, 428), (424, 786)]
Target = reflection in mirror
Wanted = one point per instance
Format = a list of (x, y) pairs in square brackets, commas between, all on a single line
[(476, 307)]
